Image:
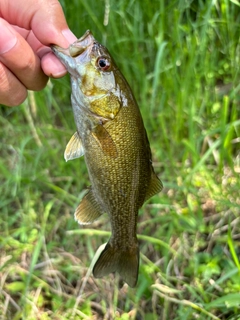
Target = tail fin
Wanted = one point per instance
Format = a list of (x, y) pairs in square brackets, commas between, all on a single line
[(125, 262)]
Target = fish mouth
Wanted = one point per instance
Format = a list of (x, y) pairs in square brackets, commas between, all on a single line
[(77, 47)]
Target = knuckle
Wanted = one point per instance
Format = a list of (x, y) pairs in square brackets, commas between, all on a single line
[(34, 77), (18, 98), (40, 82), (13, 99), (12, 92)]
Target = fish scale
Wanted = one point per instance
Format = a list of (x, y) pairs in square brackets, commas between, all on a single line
[(111, 136)]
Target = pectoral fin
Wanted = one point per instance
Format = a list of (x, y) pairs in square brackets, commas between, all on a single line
[(105, 141), (74, 148), (88, 210), (155, 186)]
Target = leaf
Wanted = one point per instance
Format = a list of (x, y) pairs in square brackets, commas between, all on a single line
[(230, 300), (15, 286)]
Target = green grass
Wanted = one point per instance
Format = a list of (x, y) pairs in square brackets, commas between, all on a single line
[(182, 60)]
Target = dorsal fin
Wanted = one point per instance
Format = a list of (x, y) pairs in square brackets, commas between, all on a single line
[(74, 148), (88, 210), (105, 141), (155, 186)]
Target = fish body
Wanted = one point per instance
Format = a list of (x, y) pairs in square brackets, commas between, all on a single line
[(111, 136)]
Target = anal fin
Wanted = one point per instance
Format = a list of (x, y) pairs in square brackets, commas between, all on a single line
[(155, 186), (88, 210)]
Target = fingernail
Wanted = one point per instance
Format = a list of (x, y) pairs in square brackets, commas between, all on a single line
[(8, 39), (69, 36)]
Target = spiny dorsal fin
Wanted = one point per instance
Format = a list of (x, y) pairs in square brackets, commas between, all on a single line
[(88, 210), (105, 141), (74, 148), (155, 186)]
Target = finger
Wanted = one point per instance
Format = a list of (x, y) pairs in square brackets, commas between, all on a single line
[(50, 64), (44, 17), (34, 43), (19, 58), (12, 91)]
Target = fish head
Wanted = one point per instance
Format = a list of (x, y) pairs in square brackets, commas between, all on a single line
[(95, 75)]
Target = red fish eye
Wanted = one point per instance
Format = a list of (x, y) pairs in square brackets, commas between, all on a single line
[(103, 63)]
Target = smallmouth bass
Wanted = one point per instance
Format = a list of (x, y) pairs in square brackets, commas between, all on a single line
[(111, 136)]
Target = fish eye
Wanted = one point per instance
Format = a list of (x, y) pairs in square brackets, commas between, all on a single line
[(103, 63)]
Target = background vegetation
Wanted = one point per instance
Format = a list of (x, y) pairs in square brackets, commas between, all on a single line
[(181, 59)]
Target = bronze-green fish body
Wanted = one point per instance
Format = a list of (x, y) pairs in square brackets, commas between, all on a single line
[(111, 136)]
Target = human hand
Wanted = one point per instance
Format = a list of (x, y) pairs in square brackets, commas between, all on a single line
[(28, 27)]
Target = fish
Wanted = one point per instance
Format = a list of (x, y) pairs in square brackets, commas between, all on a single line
[(112, 138)]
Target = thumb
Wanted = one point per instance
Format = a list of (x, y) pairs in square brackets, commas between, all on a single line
[(44, 17)]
